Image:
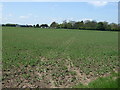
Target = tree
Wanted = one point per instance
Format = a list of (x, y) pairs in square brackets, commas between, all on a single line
[(44, 26), (76, 25), (100, 26), (87, 24), (68, 25), (106, 26), (81, 25), (64, 24), (72, 22), (60, 25), (90, 24), (93, 25), (37, 25), (119, 27), (3, 24), (33, 25), (53, 25), (11, 25), (114, 26)]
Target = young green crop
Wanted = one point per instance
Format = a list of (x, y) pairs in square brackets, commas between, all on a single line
[(59, 53)]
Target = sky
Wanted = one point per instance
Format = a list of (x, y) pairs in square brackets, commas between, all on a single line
[(47, 12)]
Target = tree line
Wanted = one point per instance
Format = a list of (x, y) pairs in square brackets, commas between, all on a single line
[(87, 25), (81, 25)]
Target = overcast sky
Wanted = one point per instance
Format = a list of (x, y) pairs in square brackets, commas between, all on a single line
[(47, 12)]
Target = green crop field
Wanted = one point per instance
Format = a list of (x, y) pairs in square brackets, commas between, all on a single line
[(34, 57)]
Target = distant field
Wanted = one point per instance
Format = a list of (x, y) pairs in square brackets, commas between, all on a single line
[(34, 57)]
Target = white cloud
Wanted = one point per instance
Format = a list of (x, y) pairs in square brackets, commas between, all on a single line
[(84, 19), (98, 3), (10, 15), (25, 16)]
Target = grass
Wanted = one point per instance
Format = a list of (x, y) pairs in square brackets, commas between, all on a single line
[(59, 54), (102, 82)]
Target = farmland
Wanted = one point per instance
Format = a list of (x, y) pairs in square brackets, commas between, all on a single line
[(34, 57)]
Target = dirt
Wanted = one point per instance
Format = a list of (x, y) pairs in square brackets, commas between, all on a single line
[(30, 77), (81, 77)]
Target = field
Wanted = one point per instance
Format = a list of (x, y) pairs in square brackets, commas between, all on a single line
[(34, 57)]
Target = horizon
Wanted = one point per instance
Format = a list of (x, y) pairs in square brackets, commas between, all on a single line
[(52, 22), (32, 13)]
